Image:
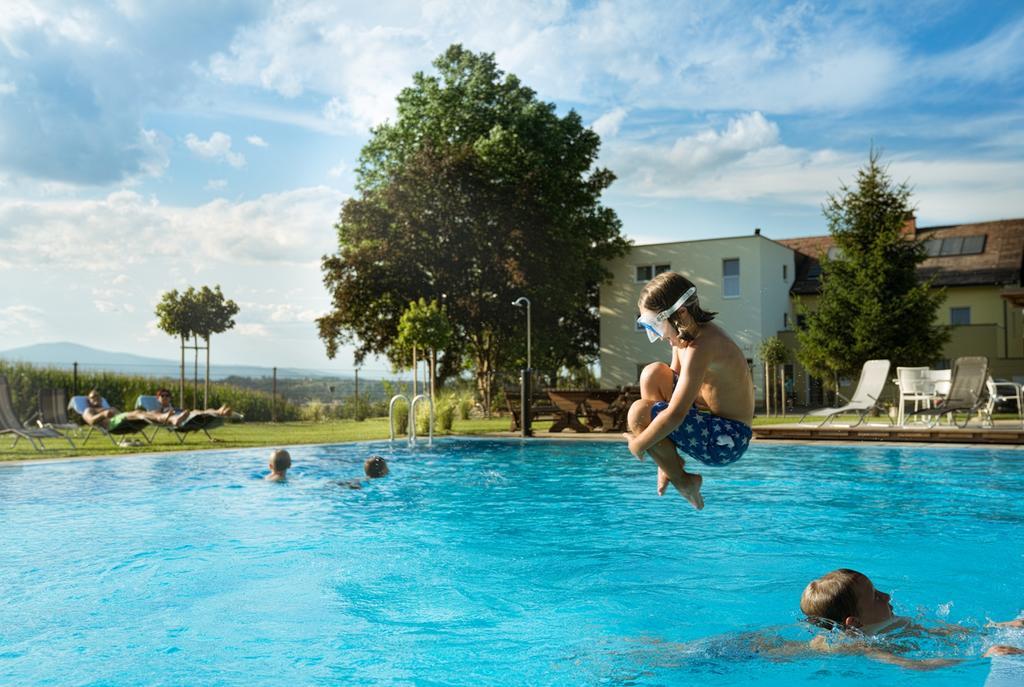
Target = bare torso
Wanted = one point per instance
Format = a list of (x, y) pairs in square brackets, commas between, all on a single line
[(727, 389)]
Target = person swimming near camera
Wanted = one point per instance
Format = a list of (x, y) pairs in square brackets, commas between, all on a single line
[(846, 603), (701, 404)]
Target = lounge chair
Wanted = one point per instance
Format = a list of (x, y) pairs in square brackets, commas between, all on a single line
[(966, 393), (195, 422), (865, 398), (9, 423), (118, 427), (53, 411), (1001, 391)]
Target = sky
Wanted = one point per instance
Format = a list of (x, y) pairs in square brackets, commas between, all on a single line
[(148, 145)]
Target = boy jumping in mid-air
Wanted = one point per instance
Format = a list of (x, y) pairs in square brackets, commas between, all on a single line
[(701, 404)]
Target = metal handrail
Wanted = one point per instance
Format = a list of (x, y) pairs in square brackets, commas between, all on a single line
[(412, 420), (391, 414)]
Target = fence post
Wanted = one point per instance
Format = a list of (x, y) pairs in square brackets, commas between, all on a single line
[(74, 377), (356, 409), (273, 399)]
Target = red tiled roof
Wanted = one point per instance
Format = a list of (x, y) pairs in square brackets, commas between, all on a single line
[(1000, 263)]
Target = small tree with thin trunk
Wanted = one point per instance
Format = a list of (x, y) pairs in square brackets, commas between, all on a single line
[(175, 316), (425, 325), (214, 314)]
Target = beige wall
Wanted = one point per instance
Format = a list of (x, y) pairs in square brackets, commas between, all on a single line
[(996, 331), (755, 314)]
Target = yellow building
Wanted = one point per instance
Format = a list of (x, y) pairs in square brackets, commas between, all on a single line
[(753, 282)]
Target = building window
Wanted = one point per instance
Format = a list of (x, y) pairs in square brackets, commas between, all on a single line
[(959, 316), (801, 322), (731, 278), (785, 272), (646, 273), (955, 245), (785, 320)]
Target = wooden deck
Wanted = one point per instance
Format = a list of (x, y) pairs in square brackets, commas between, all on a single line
[(1003, 433)]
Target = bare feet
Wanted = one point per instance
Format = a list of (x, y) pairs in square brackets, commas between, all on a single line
[(688, 487)]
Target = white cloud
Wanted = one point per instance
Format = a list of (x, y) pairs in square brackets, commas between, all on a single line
[(281, 312), (607, 125), (291, 227), (8, 88), (337, 170), (20, 317), (216, 184), (249, 329), (218, 146), (256, 141)]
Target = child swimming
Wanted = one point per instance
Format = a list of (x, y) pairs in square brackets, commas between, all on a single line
[(703, 403)]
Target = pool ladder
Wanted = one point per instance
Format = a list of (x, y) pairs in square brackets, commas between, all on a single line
[(411, 423)]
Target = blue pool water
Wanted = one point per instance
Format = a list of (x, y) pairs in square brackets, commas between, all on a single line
[(489, 562)]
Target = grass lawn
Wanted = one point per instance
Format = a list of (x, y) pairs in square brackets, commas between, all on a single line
[(255, 434)]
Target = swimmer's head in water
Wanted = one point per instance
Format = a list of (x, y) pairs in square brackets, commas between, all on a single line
[(662, 302), (375, 466), (845, 598), (280, 460)]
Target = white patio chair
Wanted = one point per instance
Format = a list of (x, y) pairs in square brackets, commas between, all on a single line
[(999, 392), (916, 386), (865, 397)]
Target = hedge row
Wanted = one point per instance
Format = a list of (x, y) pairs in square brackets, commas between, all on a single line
[(121, 391)]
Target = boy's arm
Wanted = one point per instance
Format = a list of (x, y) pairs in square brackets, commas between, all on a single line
[(1018, 623), (881, 655), (676, 365), (694, 361)]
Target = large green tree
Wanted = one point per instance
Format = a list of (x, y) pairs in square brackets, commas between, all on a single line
[(872, 304), (476, 194)]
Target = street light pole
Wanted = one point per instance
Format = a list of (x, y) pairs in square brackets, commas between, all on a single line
[(525, 392)]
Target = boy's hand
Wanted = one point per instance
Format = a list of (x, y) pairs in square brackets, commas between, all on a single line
[(1002, 650), (1018, 623), (634, 445)]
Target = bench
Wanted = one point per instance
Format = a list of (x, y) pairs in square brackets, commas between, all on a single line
[(541, 407)]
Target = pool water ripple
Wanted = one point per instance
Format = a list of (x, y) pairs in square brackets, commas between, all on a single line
[(485, 562)]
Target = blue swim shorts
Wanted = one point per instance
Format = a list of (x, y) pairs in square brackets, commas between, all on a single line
[(710, 439)]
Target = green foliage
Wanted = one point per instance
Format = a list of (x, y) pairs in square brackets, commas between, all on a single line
[(211, 312), (122, 390), (872, 304), (424, 325), (476, 194), (772, 351)]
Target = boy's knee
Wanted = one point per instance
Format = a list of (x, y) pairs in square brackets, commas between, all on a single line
[(653, 372), (639, 415)]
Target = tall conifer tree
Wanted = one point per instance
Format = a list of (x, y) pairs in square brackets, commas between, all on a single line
[(872, 304)]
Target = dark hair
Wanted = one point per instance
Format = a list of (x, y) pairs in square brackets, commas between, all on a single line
[(375, 466), (162, 391), (664, 290), (831, 598)]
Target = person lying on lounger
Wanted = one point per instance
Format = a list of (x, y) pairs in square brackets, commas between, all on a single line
[(96, 414), (177, 417)]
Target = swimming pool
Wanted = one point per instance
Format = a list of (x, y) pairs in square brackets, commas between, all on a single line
[(490, 562)]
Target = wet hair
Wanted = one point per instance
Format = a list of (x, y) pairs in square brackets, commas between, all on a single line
[(280, 460), (831, 599), (375, 466), (664, 290)]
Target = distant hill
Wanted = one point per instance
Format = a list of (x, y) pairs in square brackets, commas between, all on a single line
[(63, 354)]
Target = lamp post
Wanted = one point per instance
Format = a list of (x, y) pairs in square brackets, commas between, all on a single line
[(525, 393)]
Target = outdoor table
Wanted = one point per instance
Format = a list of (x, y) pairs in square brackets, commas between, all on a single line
[(570, 405)]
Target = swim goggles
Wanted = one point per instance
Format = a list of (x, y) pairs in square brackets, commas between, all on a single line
[(655, 327)]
